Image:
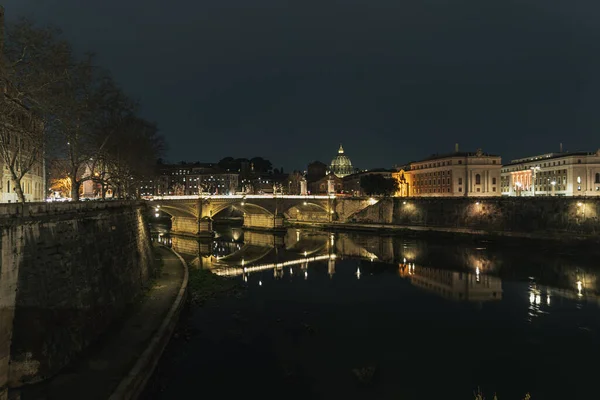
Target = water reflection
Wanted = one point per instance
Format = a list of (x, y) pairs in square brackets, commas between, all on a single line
[(454, 285), (472, 273), (490, 306)]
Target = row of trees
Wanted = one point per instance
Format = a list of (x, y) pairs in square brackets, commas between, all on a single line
[(67, 109)]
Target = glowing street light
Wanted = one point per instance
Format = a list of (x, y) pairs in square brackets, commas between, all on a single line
[(553, 183)]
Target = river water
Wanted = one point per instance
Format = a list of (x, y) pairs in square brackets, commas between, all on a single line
[(361, 316)]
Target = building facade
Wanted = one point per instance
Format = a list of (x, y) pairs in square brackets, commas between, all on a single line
[(404, 179), (553, 174), (17, 128), (192, 179), (457, 174)]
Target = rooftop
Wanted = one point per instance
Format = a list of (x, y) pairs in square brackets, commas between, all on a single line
[(456, 154), (550, 156)]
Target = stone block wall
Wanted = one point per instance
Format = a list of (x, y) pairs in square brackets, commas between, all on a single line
[(66, 274), (262, 221), (551, 215), (345, 208)]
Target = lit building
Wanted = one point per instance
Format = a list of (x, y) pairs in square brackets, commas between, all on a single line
[(553, 174), (193, 179), (341, 165), (457, 174), (404, 178)]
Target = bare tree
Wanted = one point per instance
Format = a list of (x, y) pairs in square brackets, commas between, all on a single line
[(30, 63)]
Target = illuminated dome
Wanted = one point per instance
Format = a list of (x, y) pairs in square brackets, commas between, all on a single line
[(341, 165)]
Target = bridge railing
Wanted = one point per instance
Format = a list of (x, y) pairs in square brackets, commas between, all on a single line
[(240, 196)]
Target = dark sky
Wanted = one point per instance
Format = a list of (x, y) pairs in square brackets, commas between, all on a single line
[(393, 80)]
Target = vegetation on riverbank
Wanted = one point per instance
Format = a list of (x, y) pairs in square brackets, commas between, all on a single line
[(204, 285)]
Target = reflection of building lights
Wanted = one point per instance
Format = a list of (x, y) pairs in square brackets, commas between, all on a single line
[(404, 260), (259, 283), (358, 273), (531, 298), (242, 203), (291, 271), (477, 203), (157, 215), (477, 273), (538, 299), (579, 204), (548, 299), (305, 203), (372, 259), (579, 288), (305, 253), (404, 202), (305, 274), (245, 278), (243, 263)]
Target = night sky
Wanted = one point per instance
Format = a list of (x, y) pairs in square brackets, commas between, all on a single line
[(393, 80)]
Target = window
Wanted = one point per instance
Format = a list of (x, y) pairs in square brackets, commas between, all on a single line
[(579, 188), (597, 178), (460, 161), (479, 189), (460, 181), (493, 181), (478, 179), (578, 161), (493, 189), (493, 161), (460, 189)]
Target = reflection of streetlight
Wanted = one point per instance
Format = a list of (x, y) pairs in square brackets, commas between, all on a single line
[(579, 288)]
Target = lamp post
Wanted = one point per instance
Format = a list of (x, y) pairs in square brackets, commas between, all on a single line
[(534, 171), (553, 183), (518, 185)]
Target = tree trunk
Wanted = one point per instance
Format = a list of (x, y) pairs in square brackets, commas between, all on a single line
[(16, 182), (75, 189)]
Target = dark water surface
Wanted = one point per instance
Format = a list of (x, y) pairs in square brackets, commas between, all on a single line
[(415, 319)]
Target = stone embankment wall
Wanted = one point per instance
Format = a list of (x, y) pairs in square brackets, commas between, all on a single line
[(541, 215), (68, 270)]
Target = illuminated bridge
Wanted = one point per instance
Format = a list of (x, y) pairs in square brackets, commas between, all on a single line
[(194, 214)]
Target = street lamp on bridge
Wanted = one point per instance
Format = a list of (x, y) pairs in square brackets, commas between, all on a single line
[(534, 171)]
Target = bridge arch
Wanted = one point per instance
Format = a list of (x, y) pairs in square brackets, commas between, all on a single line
[(243, 206)]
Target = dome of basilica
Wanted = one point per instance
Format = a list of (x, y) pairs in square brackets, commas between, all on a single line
[(341, 164)]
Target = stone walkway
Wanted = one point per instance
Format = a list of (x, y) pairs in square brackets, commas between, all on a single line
[(97, 375)]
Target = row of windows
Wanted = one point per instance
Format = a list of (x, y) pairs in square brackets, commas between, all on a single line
[(443, 190), (544, 165), (445, 181)]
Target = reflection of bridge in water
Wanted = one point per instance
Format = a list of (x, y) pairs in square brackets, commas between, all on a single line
[(237, 253)]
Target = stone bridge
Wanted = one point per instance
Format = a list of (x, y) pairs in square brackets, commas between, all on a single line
[(194, 214)]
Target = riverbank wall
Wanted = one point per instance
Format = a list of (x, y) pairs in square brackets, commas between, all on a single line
[(67, 272), (537, 217)]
